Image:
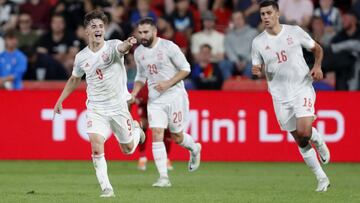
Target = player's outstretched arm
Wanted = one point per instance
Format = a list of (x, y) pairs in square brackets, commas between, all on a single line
[(162, 86), (70, 86), (126, 45), (316, 72)]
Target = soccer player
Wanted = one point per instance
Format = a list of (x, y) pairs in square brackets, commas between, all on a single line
[(141, 102), (278, 53), (162, 64), (103, 64)]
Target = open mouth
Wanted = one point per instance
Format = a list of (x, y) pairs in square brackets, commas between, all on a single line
[(98, 36)]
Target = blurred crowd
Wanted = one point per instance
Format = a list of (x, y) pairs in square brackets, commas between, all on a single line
[(40, 38)]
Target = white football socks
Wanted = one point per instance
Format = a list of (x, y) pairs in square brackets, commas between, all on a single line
[(188, 143), (160, 158), (309, 155), (101, 171)]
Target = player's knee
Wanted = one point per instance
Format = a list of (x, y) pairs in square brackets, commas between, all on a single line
[(303, 141), (177, 137), (305, 132), (127, 149), (96, 152)]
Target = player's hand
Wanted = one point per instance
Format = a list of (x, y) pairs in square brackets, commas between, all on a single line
[(316, 73), (256, 70), (131, 40), (162, 86), (57, 108), (132, 99)]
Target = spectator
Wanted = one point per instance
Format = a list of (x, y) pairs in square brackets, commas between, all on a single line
[(208, 35), (40, 13), (297, 12), (167, 31), (72, 10), (25, 34), (117, 27), (142, 10), (356, 8), (43, 66), (8, 15), (182, 19), (61, 45), (250, 8), (238, 44), (222, 12), (330, 15), (12, 63), (317, 31), (344, 51), (205, 74)]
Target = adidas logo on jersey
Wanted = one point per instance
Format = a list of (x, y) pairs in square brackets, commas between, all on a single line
[(267, 47)]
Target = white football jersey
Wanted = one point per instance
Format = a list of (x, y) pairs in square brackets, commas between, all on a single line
[(160, 63), (285, 67), (105, 77)]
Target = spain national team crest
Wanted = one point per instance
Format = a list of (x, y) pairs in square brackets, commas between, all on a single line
[(105, 57), (289, 40)]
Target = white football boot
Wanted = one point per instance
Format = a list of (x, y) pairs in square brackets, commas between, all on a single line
[(107, 192), (323, 185), (322, 150), (162, 182), (142, 133), (195, 158)]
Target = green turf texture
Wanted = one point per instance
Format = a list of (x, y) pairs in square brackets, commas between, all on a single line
[(75, 181)]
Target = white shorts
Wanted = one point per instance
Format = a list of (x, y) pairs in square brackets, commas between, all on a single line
[(301, 106), (121, 125), (172, 115)]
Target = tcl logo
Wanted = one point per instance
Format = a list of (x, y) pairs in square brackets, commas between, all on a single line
[(208, 129)]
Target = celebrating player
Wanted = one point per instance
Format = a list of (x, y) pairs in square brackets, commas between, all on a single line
[(162, 64), (103, 64), (277, 52)]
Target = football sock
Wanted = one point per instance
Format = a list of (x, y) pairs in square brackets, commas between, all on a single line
[(101, 171), (309, 155), (188, 143), (160, 158)]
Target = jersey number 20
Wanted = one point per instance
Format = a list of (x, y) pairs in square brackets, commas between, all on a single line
[(99, 73), (152, 69)]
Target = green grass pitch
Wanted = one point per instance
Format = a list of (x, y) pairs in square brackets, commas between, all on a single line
[(75, 181)]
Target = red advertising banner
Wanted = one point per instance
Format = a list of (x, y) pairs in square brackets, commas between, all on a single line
[(232, 126)]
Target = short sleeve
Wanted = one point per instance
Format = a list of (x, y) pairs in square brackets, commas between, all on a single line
[(140, 71), (77, 70), (305, 40), (255, 55), (177, 57)]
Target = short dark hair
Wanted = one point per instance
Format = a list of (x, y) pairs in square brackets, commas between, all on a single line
[(11, 33), (267, 3), (146, 20), (95, 14), (206, 46)]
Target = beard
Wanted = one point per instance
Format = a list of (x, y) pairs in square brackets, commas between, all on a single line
[(147, 42)]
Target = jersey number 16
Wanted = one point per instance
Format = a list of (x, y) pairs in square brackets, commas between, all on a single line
[(281, 56)]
